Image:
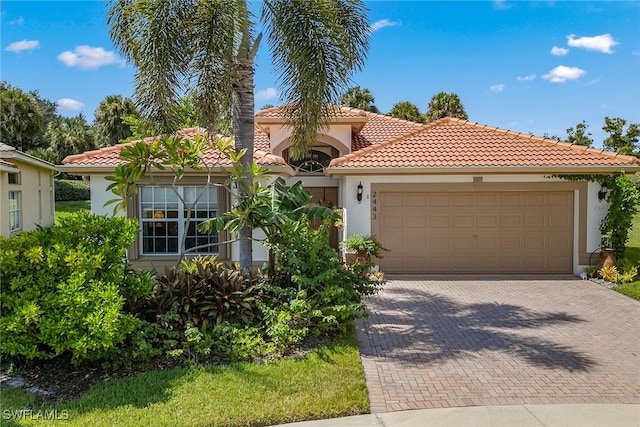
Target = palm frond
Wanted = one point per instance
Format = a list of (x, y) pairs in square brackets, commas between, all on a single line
[(316, 46)]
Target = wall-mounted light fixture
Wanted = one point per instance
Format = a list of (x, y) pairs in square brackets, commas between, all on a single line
[(359, 192), (602, 194)]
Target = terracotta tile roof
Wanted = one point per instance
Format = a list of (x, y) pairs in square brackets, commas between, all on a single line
[(342, 112), (110, 156), (454, 143), (380, 129)]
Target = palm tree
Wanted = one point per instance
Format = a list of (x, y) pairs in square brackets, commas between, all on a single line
[(407, 111), (357, 97), (20, 116), (445, 105), (70, 135), (209, 48), (109, 119)]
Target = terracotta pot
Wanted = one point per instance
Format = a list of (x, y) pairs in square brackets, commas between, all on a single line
[(363, 256), (607, 258)]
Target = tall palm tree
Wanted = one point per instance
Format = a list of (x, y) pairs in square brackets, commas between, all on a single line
[(361, 98), (209, 47), (109, 119), (20, 116), (445, 105)]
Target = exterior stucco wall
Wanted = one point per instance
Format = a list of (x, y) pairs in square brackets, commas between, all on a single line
[(280, 133), (36, 197), (100, 195)]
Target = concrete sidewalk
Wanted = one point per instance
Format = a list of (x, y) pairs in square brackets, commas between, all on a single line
[(570, 415)]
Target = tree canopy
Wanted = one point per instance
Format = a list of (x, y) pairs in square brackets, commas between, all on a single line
[(407, 111), (580, 135), (360, 98), (109, 120), (619, 140), (445, 105)]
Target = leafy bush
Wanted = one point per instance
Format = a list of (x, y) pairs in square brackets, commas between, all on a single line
[(70, 190), (313, 291), (63, 288), (206, 293)]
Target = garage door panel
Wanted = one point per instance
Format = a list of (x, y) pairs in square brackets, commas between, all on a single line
[(489, 232), (463, 221), (416, 200), (439, 221), (511, 221), (436, 200)]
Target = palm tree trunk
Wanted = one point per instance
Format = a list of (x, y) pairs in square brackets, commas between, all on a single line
[(243, 129)]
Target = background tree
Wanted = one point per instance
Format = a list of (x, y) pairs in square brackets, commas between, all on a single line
[(619, 140), (109, 120), (407, 111), (445, 105), (209, 48), (70, 135), (579, 135), (20, 117), (357, 97)]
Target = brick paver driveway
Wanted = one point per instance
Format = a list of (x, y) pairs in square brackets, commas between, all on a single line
[(443, 342)]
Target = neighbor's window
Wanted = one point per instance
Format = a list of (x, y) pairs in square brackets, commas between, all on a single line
[(14, 178), (14, 211), (163, 219)]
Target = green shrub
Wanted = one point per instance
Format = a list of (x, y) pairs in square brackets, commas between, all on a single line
[(317, 291), (63, 288), (70, 190), (238, 342), (206, 293)]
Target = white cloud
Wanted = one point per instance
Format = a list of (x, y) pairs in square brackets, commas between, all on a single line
[(378, 25), (69, 104), (88, 57), (527, 78), (602, 43), (501, 5), (636, 53), (18, 21), (559, 51), (497, 88), (23, 45), (561, 74), (265, 94)]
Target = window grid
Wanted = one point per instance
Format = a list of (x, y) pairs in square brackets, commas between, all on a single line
[(163, 219), (14, 211)]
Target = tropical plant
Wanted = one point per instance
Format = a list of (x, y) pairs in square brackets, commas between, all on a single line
[(365, 247), (357, 97), (70, 135), (209, 48), (407, 111), (619, 140), (579, 135), (20, 117), (109, 119), (445, 105)]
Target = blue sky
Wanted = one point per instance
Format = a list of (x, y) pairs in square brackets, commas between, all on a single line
[(529, 66)]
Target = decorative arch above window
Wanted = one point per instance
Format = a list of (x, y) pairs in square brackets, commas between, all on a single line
[(315, 161)]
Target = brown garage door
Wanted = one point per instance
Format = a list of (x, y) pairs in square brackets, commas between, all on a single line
[(478, 232)]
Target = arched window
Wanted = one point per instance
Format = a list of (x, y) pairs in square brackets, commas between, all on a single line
[(316, 160)]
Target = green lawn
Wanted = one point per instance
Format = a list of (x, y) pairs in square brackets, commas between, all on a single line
[(329, 382), (67, 208), (632, 253)]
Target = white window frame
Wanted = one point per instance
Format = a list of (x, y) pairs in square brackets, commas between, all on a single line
[(15, 211), (163, 219)]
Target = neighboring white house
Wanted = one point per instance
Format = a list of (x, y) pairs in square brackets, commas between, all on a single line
[(26, 191), (446, 197)]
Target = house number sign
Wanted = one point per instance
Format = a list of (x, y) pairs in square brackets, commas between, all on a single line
[(374, 205)]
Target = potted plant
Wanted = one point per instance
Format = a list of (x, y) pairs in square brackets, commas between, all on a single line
[(607, 253), (364, 246)]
